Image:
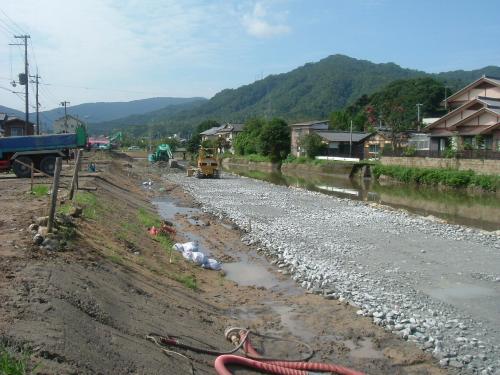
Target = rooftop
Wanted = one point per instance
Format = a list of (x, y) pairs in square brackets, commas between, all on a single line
[(212, 131), (333, 136), (310, 123)]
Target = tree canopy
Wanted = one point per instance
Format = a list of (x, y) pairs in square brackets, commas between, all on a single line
[(268, 138)]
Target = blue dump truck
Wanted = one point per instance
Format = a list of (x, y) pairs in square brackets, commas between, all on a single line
[(41, 150)]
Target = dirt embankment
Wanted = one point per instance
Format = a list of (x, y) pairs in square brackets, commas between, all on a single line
[(87, 309)]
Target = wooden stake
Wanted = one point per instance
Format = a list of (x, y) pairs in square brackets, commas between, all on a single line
[(74, 181), (53, 196)]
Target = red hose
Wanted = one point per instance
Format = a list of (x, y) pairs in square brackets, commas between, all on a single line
[(277, 367), (270, 368)]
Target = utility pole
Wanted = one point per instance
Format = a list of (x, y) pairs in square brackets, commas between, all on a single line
[(37, 77), (64, 104), (350, 142), (418, 115), (25, 44)]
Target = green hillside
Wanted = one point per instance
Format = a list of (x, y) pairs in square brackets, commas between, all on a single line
[(311, 91)]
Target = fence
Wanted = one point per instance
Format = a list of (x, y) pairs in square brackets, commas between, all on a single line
[(55, 183)]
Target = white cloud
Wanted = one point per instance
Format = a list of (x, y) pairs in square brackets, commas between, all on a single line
[(128, 45), (261, 24)]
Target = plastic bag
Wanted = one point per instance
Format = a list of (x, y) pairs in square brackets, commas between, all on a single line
[(190, 246), (212, 264), (178, 247), (198, 257)]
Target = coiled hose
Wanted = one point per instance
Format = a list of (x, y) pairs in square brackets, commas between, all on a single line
[(240, 338)]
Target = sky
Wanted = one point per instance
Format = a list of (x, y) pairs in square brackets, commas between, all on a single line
[(120, 50)]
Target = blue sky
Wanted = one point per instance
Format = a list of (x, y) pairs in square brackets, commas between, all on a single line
[(114, 50)]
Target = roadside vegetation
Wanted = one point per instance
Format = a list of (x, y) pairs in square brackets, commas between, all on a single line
[(434, 176), (10, 364), (40, 190)]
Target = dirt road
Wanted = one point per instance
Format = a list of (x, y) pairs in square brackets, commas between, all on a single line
[(88, 309)]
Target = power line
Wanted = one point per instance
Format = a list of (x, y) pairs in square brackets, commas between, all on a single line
[(19, 28)]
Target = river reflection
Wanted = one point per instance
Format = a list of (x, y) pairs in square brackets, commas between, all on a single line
[(454, 206)]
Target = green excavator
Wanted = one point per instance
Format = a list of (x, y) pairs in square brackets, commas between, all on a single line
[(162, 153)]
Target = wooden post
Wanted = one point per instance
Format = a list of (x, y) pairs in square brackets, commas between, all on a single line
[(32, 173), (53, 196), (74, 181)]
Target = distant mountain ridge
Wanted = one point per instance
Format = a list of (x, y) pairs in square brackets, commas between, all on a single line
[(106, 111), (311, 91), (11, 111)]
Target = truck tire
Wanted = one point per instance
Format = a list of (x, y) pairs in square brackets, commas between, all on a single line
[(48, 165), (20, 170)]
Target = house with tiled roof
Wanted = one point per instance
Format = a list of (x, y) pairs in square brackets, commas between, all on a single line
[(473, 120)]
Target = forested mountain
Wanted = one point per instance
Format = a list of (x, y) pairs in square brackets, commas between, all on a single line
[(309, 92), (396, 101), (11, 111), (107, 111)]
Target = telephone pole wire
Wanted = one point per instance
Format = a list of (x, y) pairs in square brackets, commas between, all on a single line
[(26, 97)]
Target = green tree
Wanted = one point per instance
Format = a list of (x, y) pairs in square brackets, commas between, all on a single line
[(312, 144), (195, 141), (274, 139), (247, 142)]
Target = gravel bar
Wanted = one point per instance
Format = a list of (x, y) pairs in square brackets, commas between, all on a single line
[(429, 282)]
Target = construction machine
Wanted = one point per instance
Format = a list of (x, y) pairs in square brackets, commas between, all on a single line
[(208, 163), (162, 153)]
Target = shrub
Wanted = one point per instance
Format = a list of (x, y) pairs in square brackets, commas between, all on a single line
[(433, 176), (450, 153), (409, 151)]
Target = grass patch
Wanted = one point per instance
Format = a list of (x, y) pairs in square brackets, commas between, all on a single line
[(89, 203), (255, 158), (147, 218), (115, 258), (40, 190), (189, 281), (434, 176), (86, 200), (11, 365)]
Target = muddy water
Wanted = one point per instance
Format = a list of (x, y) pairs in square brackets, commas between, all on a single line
[(456, 207)]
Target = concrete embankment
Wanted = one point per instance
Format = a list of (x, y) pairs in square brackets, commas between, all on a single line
[(480, 166), (434, 284), (262, 166)]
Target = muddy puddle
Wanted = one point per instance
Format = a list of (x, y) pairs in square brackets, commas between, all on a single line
[(167, 208)]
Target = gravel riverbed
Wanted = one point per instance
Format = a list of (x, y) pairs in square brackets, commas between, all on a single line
[(429, 282)]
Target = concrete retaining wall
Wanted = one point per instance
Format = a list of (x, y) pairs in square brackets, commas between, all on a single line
[(477, 165), (339, 169), (252, 165)]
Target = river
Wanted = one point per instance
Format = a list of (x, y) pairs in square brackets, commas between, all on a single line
[(454, 206)]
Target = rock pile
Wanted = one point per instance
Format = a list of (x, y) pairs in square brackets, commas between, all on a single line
[(320, 240)]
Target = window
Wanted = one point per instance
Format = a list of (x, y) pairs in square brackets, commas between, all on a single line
[(374, 149), (488, 142), (16, 132)]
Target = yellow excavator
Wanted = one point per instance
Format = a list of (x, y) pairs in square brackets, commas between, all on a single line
[(207, 164)]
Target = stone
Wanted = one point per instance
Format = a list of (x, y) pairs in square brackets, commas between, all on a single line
[(443, 362), (38, 239), (455, 363), (42, 220)]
